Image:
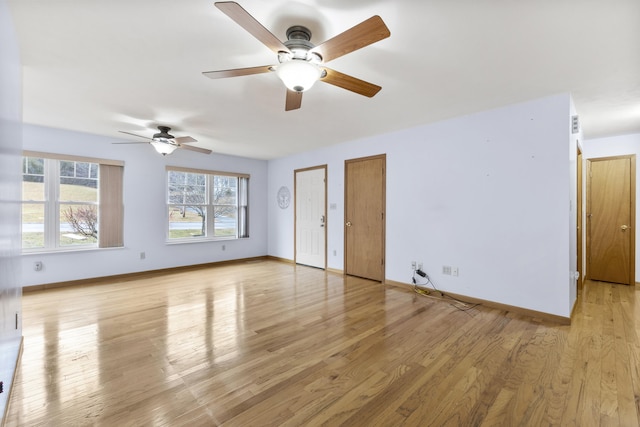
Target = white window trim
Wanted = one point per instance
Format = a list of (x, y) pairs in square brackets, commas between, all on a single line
[(210, 219)]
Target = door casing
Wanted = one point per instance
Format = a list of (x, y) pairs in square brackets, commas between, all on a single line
[(579, 222)]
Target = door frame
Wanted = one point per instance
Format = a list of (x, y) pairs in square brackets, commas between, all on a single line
[(383, 157), (632, 220), (295, 212), (579, 220)]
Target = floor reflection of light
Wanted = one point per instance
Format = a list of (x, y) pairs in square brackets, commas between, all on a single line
[(77, 362), (66, 367), (205, 327)]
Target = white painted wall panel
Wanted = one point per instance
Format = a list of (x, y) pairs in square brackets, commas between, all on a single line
[(488, 193)]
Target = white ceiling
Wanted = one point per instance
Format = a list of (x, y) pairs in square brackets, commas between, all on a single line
[(100, 66)]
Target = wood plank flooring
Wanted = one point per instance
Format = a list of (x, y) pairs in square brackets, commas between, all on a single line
[(271, 344)]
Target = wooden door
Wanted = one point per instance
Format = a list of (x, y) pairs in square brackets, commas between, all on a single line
[(310, 216), (364, 228), (611, 220)]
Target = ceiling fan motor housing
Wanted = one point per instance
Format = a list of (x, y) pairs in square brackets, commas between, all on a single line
[(163, 135), (298, 42)]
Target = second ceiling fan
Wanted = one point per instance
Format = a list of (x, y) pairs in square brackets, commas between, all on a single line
[(300, 62)]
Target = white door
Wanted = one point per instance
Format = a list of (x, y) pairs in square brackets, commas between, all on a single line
[(310, 204)]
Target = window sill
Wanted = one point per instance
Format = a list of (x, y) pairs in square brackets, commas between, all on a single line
[(203, 240), (67, 250)]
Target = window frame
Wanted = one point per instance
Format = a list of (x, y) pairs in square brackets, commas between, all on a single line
[(209, 205), (52, 205)]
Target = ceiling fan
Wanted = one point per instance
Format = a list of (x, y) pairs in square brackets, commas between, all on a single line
[(165, 143), (300, 62)]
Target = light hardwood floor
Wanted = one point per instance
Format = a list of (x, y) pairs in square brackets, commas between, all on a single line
[(270, 344)]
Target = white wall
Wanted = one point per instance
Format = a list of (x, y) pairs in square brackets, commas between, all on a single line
[(10, 148), (145, 207), (489, 193), (618, 146)]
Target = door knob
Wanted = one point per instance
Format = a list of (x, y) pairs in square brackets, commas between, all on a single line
[(624, 227), (348, 224)]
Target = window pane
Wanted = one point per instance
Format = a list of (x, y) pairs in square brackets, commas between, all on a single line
[(187, 188), (176, 178), (82, 169), (32, 225), (78, 224), (67, 168), (225, 190), (226, 222), (187, 221), (33, 166), (32, 188), (80, 188)]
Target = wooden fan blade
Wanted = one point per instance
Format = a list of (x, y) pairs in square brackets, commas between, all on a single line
[(133, 134), (294, 100), (198, 149), (234, 11), (184, 140), (348, 82), (238, 72), (363, 34)]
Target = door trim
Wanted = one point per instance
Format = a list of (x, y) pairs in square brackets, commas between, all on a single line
[(295, 213), (580, 222), (632, 187)]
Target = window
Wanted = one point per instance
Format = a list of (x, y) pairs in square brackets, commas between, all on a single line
[(206, 205), (70, 202)]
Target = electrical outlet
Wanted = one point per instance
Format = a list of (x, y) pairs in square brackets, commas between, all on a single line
[(420, 266), (37, 266), (446, 269), (143, 255), (454, 271), (224, 247), (413, 265)]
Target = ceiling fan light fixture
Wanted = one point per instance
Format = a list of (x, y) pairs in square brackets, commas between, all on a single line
[(298, 74), (163, 148)]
